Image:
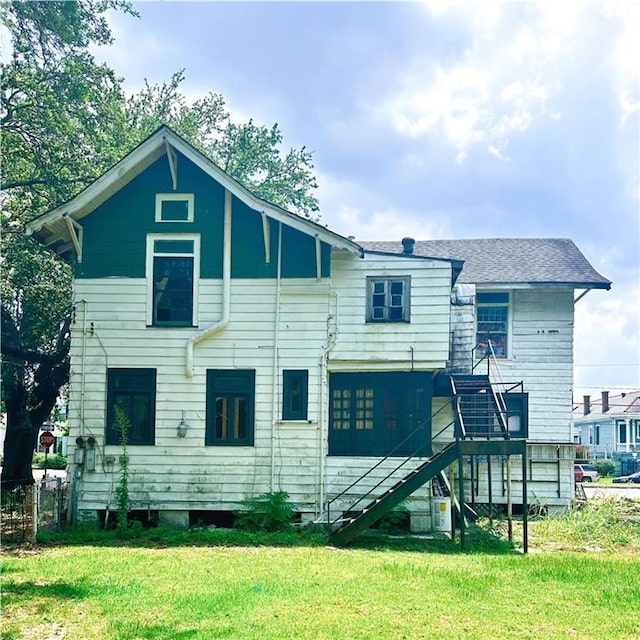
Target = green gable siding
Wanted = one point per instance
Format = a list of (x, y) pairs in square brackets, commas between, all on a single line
[(115, 233)]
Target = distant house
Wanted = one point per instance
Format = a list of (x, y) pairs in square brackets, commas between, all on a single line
[(248, 350), (609, 427)]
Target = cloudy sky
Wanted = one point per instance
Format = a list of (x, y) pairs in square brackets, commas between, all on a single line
[(440, 120)]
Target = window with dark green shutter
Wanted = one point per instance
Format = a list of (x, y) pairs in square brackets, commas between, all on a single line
[(381, 413), (230, 407), (295, 390), (131, 395)]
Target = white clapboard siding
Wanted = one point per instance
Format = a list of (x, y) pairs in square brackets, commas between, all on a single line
[(541, 355), (427, 334), (112, 312)]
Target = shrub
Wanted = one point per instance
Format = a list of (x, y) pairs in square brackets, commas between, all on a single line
[(266, 512), (54, 461), (605, 467)]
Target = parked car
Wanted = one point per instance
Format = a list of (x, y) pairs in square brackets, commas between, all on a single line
[(632, 477), (589, 472), (577, 473)]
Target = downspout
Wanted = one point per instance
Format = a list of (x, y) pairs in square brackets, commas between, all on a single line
[(84, 365), (226, 290), (323, 417), (276, 344)]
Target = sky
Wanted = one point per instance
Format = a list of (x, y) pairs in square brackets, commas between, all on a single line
[(439, 120)]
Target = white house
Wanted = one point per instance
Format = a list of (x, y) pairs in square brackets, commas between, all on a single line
[(251, 350)]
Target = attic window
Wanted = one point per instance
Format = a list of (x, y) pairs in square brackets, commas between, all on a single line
[(174, 207)]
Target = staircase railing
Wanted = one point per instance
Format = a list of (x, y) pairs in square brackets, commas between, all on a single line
[(499, 398), (382, 460)]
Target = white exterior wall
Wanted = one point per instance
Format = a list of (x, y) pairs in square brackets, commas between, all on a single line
[(387, 346), (183, 474), (541, 355)]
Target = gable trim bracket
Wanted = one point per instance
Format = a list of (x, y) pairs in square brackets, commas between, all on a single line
[(318, 258), (582, 295), (173, 163), (267, 239), (76, 232)]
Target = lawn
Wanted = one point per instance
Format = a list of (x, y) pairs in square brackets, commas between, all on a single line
[(317, 592), (381, 589)]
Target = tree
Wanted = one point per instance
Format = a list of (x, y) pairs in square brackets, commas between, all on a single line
[(62, 124), (249, 152), (65, 120)]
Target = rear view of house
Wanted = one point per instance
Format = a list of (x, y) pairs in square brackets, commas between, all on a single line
[(248, 350)]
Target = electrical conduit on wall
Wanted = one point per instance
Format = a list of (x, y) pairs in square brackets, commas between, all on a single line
[(226, 290)]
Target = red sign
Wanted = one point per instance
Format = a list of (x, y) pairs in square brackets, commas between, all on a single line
[(47, 439)]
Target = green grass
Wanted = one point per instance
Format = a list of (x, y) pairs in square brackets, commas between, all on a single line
[(169, 585), (317, 592)]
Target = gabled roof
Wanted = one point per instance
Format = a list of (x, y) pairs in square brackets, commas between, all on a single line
[(54, 230), (622, 405), (555, 262)]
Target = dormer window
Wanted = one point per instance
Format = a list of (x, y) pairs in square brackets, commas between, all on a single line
[(174, 207)]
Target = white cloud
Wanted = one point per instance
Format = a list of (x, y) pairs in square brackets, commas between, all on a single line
[(607, 339), (352, 210), (519, 59)]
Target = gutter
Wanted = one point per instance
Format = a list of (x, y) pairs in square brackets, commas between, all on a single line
[(226, 291)]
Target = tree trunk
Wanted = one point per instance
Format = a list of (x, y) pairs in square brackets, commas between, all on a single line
[(19, 444), (20, 436)]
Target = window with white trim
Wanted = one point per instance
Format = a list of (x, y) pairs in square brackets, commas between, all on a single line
[(492, 323), (388, 299), (174, 207), (172, 275)]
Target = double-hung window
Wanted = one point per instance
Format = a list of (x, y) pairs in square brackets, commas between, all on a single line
[(131, 406), (388, 299), (492, 328), (172, 275)]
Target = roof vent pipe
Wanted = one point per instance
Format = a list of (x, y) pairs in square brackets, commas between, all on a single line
[(605, 401), (586, 403), (407, 246)]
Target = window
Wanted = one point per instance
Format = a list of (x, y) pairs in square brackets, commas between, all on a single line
[(492, 324), (622, 432), (295, 390), (174, 207), (517, 406), (172, 274), (131, 393), (230, 407), (388, 299), (379, 413)]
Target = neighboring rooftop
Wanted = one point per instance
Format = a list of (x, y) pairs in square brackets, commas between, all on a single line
[(534, 261), (625, 403)]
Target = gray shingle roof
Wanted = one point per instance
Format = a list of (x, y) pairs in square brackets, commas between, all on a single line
[(537, 261)]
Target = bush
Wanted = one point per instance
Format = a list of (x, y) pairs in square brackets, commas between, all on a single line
[(605, 467), (55, 461), (266, 512)]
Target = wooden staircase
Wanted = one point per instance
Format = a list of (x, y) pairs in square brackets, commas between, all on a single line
[(481, 429), (379, 507)]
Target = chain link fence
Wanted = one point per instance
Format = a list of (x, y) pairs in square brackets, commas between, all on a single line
[(28, 509)]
